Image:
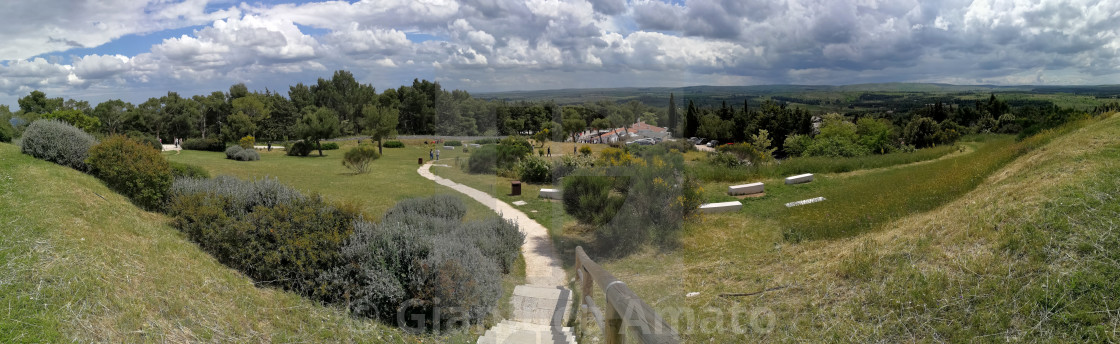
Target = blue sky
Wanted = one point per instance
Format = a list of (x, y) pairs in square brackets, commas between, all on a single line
[(131, 49)]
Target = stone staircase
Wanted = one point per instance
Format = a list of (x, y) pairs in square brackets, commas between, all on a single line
[(539, 314)]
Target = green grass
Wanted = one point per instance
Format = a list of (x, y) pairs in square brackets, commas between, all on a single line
[(391, 178), (81, 263), (799, 165)]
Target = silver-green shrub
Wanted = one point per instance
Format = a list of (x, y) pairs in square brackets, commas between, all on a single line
[(57, 141), (442, 206), (247, 155), (231, 152)]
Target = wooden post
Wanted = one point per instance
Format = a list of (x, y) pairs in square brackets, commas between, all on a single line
[(613, 321)]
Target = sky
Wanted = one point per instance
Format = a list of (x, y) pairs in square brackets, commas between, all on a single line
[(135, 49)]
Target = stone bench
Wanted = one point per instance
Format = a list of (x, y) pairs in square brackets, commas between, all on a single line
[(550, 193), (449, 147), (804, 202), (801, 178), (475, 145), (721, 207), (745, 189)]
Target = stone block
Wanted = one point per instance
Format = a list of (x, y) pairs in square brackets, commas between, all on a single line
[(801, 178), (745, 189), (550, 193), (721, 207)]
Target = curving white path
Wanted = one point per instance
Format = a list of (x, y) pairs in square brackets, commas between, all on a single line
[(542, 267)]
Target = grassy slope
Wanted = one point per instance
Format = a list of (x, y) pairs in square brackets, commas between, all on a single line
[(79, 267), (1027, 255)]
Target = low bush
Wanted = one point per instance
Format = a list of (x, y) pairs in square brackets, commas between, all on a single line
[(247, 142), (298, 148), (247, 155), (266, 230), (453, 143), (419, 253), (7, 133), (568, 164), (533, 169), (357, 159), (483, 160), (207, 144), (329, 145), (57, 142), (132, 169), (393, 144), (586, 150), (148, 140), (485, 141), (231, 152), (184, 170), (588, 198), (682, 146)]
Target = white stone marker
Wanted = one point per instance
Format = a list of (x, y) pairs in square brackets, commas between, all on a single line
[(804, 202), (520, 203), (722, 207), (449, 147), (745, 189), (801, 178), (550, 194)]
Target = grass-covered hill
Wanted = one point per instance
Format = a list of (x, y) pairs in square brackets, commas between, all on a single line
[(1029, 254), (80, 263)]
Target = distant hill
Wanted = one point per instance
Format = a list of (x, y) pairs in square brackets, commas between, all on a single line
[(711, 95)]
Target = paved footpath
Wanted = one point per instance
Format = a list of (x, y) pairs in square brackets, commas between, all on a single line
[(539, 307)]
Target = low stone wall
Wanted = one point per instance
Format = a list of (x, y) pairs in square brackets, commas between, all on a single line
[(721, 207), (799, 179)]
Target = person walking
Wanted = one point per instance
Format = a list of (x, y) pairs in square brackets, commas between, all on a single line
[(437, 154), (431, 155), (549, 152)]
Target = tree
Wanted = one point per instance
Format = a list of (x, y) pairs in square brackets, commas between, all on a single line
[(921, 132), (358, 158), (75, 118), (112, 114), (876, 135), (600, 124), (213, 110), (38, 103), (573, 123), (380, 122), (691, 120), (317, 124), (253, 107), (673, 130)]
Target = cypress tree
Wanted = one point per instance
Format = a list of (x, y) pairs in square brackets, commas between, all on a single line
[(673, 117), (691, 120)]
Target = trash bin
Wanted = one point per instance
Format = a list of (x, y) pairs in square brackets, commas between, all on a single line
[(516, 187), (420, 161)]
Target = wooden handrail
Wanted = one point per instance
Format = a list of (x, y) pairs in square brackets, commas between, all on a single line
[(624, 310)]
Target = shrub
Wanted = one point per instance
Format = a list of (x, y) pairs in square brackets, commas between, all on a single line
[(660, 195), (248, 142), (679, 145), (357, 159), (485, 141), (184, 170), (208, 144), (483, 160), (586, 150), (567, 164), (264, 229), (232, 151), (533, 169), (57, 142), (298, 148), (512, 149), (588, 198), (247, 155), (796, 144), (836, 147), (147, 140), (453, 143), (393, 144), (420, 252), (329, 145), (7, 133), (133, 169)]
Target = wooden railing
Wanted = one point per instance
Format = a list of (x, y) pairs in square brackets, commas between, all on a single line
[(624, 310)]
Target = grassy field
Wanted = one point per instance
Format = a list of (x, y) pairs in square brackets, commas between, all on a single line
[(799, 165), (1024, 256), (81, 263)]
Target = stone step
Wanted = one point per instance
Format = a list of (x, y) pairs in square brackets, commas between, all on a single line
[(541, 305), (509, 331)]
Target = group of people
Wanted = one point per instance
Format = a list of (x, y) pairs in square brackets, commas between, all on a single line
[(433, 154)]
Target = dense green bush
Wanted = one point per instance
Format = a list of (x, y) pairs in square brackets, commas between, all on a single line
[(132, 169), (588, 198), (329, 145), (453, 143), (207, 144), (533, 169), (147, 140), (232, 151), (421, 251), (298, 148), (393, 144), (268, 231), (7, 133), (485, 141), (483, 160), (567, 164), (57, 142), (184, 170), (357, 159), (682, 146)]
